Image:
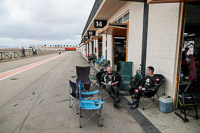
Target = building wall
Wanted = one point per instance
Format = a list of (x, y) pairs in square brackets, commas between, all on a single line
[(162, 41), (135, 35), (135, 10)]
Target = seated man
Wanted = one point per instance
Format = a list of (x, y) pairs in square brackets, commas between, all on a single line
[(147, 82), (110, 81)]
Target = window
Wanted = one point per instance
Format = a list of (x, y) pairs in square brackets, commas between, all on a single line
[(126, 17), (123, 18)]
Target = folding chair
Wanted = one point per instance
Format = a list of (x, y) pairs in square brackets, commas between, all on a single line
[(102, 86), (99, 61), (152, 91), (93, 79), (94, 105), (74, 96), (82, 74), (186, 102)]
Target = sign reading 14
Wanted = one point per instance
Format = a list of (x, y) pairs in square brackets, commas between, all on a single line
[(99, 23)]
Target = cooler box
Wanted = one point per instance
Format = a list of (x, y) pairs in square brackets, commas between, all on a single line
[(165, 104)]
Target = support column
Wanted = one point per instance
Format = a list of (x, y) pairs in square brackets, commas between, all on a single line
[(144, 36), (108, 51), (97, 48), (90, 48)]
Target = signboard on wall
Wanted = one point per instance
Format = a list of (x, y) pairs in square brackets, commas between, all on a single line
[(91, 33), (100, 23)]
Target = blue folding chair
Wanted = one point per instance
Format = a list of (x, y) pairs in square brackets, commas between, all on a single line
[(99, 61), (74, 96), (94, 105)]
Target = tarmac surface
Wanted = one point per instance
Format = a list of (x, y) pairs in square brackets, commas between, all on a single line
[(36, 100)]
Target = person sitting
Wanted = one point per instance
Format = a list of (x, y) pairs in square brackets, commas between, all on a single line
[(147, 82), (110, 81)]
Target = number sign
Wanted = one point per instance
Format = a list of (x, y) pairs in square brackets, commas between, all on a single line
[(91, 33), (99, 23)]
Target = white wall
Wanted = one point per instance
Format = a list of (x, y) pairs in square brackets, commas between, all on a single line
[(162, 41), (135, 30)]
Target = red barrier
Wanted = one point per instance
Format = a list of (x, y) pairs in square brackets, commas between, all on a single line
[(70, 49)]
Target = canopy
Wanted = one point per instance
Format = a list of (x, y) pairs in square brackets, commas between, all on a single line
[(115, 29)]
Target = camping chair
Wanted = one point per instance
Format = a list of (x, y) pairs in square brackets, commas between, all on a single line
[(93, 79), (94, 105), (150, 94), (74, 96), (126, 73), (186, 102), (99, 61), (102, 86), (82, 74)]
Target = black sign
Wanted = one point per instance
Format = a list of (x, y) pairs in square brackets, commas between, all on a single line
[(91, 33), (99, 23)]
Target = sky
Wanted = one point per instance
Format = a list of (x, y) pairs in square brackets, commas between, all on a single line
[(39, 22)]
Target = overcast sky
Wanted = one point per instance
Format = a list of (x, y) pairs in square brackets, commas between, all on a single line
[(33, 22)]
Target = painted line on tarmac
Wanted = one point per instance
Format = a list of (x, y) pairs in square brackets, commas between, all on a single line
[(15, 71)]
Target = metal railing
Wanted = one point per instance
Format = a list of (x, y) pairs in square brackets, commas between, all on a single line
[(10, 55), (92, 14)]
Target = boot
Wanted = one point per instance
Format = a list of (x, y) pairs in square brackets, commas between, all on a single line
[(115, 104), (135, 105), (132, 101)]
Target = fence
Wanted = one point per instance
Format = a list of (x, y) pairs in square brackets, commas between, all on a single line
[(10, 55)]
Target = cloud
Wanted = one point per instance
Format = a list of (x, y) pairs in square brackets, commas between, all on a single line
[(42, 21)]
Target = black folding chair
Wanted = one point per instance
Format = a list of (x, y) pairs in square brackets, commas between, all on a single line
[(186, 102), (103, 86), (83, 75), (74, 96), (152, 92)]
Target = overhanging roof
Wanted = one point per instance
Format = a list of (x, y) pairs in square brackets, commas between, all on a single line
[(169, 1), (105, 11), (114, 29), (96, 37)]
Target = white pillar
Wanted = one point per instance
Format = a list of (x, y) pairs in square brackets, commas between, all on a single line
[(97, 47), (90, 48), (87, 52), (110, 53), (104, 46)]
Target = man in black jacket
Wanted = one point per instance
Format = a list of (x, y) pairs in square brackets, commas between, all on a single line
[(147, 83), (110, 83)]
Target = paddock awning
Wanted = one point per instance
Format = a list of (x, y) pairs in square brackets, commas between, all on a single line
[(169, 1), (115, 29), (96, 37)]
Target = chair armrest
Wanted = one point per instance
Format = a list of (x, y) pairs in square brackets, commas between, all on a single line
[(90, 93)]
